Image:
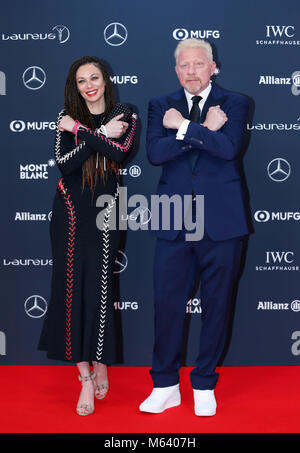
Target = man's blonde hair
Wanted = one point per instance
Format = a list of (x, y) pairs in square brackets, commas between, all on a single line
[(193, 42)]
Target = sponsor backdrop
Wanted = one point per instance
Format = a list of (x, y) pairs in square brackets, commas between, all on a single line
[(257, 51)]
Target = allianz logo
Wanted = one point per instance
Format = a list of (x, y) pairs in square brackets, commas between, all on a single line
[(27, 262), (32, 216), (270, 305), (273, 80)]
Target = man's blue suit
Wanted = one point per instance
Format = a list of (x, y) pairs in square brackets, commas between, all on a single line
[(217, 176)]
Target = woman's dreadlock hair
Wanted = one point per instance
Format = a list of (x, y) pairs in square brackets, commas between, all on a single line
[(76, 107)]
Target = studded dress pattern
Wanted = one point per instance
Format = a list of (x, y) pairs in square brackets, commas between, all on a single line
[(81, 323)]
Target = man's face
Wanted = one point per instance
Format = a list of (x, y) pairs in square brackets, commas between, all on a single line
[(194, 69)]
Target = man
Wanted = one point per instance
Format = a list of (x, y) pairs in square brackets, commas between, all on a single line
[(203, 122)]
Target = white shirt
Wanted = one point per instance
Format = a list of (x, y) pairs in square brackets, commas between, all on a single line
[(185, 124)]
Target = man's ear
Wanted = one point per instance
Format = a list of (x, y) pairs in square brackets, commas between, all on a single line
[(213, 68)]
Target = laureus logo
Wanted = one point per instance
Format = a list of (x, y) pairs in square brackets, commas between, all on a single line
[(61, 34)]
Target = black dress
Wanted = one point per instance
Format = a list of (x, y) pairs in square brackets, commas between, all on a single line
[(80, 321)]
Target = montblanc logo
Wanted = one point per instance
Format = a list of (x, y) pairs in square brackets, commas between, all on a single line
[(60, 33), (193, 306), (36, 171), (266, 216), (182, 33), (36, 126)]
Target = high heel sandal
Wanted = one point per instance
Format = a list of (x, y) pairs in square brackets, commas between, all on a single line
[(101, 390), (83, 408)]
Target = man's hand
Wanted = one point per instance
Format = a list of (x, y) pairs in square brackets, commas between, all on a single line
[(172, 119), (215, 118)]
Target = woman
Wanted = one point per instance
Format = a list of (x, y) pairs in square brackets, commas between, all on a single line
[(89, 148)]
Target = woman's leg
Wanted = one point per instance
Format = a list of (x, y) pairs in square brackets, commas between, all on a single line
[(101, 380), (85, 405)]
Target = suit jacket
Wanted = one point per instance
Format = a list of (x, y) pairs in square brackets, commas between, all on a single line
[(217, 172)]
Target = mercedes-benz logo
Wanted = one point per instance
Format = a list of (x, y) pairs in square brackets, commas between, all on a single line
[(279, 169), (63, 33), (35, 306), (115, 34), (34, 77), (121, 262)]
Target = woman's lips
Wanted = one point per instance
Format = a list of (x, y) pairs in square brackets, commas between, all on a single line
[(91, 93)]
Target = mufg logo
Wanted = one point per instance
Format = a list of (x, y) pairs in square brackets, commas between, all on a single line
[(2, 83)]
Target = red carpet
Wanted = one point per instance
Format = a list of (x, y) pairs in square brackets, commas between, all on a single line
[(42, 399)]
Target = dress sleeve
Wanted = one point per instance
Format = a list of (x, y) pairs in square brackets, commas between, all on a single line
[(115, 150), (69, 156)]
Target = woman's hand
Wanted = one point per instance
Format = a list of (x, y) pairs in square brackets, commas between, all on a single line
[(66, 124), (115, 128)]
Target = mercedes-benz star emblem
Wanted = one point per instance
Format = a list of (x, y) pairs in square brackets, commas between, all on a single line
[(115, 34), (34, 77), (121, 262), (279, 169), (35, 306)]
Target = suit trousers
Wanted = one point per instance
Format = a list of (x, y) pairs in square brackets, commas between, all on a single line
[(176, 265)]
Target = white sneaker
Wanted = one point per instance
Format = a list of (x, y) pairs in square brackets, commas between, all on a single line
[(161, 398), (205, 402)]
